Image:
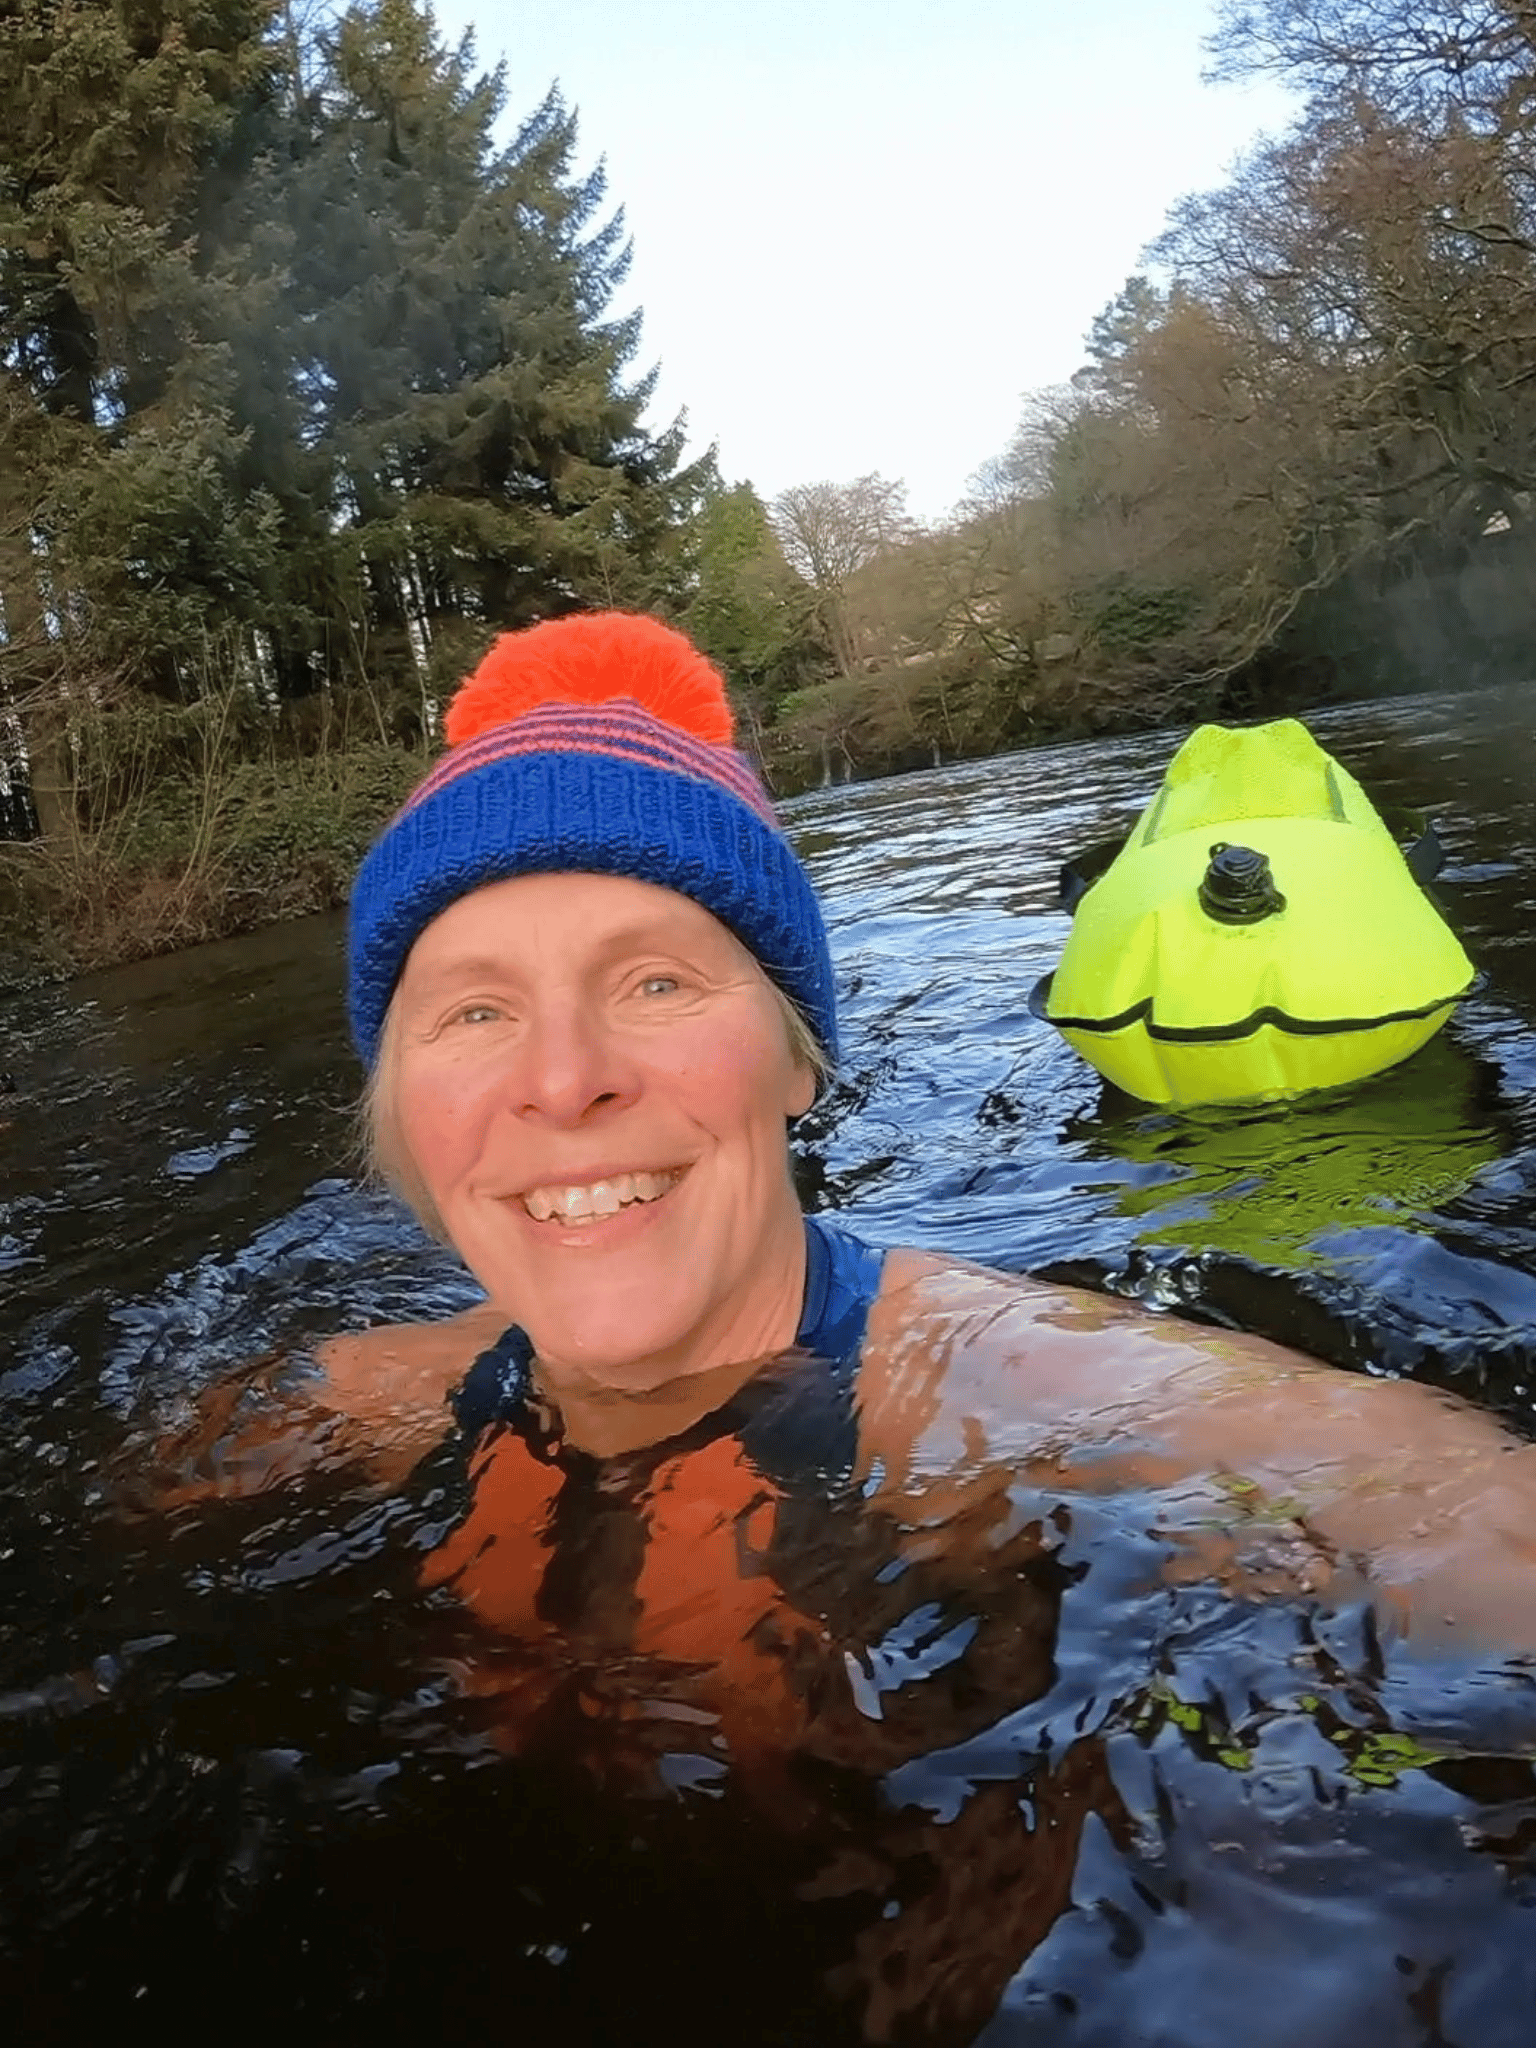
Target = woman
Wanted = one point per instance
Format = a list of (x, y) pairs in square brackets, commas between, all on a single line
[(591, 985), (749, 1508)]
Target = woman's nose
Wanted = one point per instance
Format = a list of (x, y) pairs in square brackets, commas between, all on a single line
[(570, 1067)]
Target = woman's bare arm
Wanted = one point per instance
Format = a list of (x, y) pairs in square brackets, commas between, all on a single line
[(972, 1379), (379, 1402), (405, 1372)]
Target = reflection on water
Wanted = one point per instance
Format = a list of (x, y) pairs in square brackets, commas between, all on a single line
[(1277, 1184), (725, 1758)]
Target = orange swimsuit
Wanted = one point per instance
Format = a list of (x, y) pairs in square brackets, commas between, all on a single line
[(644, 1588)]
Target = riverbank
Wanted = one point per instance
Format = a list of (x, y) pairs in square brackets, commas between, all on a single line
[(178, 827), (192, 857)]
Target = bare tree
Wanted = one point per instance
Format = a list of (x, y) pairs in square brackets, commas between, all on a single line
[(1418, 58), (831, 531), (1023, 470)]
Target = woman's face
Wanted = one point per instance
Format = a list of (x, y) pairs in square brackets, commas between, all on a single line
[(591, 1080)]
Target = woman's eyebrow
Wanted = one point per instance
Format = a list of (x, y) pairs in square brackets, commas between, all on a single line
[(488, 967), (472, 967)]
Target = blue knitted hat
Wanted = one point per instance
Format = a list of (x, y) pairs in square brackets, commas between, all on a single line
[(596, 744)]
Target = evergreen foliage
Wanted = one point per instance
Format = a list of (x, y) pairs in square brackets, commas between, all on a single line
[(462, 390), (303, 374), (309, 383), (748, 609)]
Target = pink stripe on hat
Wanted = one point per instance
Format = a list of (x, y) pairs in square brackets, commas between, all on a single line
[(618, 728)]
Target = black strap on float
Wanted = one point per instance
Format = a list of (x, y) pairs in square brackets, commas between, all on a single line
[(1422, 846), (1243, 1027), (1079, 874)]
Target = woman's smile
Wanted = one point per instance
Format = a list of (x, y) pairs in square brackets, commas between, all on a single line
[(598, 1199)]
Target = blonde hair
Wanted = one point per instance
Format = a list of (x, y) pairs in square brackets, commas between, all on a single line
[(385, 1158)]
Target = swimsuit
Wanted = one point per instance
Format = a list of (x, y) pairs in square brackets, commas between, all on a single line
[(669, 1561), (796, 1422)]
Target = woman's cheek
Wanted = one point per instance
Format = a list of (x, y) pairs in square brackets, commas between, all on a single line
[(442, 1116), (726, 1066), (715, 1086)]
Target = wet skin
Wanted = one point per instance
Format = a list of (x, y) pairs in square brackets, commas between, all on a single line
[(1271, 1472)]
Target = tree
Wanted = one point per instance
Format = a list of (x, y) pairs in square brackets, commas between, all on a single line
[(121, 131), (829, 532), (748, 609), (1388, 338), (305, 379), (1328, 385), (1022, 472), (1420, 60), (459, 371)]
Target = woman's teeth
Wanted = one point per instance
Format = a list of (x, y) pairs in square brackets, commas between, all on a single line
[(597, 1198)]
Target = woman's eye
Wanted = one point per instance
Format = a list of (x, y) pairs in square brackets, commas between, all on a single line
[(659, 985), (476, 1013)]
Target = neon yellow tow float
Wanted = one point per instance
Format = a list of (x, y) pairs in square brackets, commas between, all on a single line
[(1259, 934)]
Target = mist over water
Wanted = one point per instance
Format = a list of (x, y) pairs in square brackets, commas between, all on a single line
[(253, 1774)]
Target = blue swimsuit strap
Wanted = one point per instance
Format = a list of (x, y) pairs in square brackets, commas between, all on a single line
[(842, 1278), (800, 1423)]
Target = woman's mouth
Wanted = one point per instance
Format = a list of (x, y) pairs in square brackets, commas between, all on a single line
[(589, 1201)]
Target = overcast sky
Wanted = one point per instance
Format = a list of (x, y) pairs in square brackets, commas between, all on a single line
[(864, 229)]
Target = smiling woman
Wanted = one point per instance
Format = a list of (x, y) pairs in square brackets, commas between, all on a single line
[(712, 1447), (593, 1082)]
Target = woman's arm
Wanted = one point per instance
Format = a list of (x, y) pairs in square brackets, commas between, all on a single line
[(404, 1373), (378, 1401), (972, 1380)]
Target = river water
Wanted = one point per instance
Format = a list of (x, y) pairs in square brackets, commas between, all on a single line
[(238, 1783)]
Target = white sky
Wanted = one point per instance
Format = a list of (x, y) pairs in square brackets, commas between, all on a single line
[(864, 229)]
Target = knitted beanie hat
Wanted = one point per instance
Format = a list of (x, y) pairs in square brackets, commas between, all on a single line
[(596, 744)]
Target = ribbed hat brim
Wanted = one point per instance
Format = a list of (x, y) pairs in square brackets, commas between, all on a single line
[(590, 814)]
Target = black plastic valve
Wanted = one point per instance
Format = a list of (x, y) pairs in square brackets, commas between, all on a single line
[(1238, 887)]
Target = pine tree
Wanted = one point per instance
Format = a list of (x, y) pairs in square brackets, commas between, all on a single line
[(459, 370), (301, 372), (122, 129)]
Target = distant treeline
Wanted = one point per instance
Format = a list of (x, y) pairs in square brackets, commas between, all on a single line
[(1299, 462), (308, 386)]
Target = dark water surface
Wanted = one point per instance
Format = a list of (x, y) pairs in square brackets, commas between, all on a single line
[(256, 1776)]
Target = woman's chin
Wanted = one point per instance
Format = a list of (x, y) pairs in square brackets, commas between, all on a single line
[(604, 1363)]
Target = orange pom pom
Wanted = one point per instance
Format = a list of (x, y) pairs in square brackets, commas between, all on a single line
[(586, 659)]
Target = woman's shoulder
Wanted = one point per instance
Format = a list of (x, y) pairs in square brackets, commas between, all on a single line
[(965, 1365), (926, 1291), (374, 1375), (931, 1302)]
